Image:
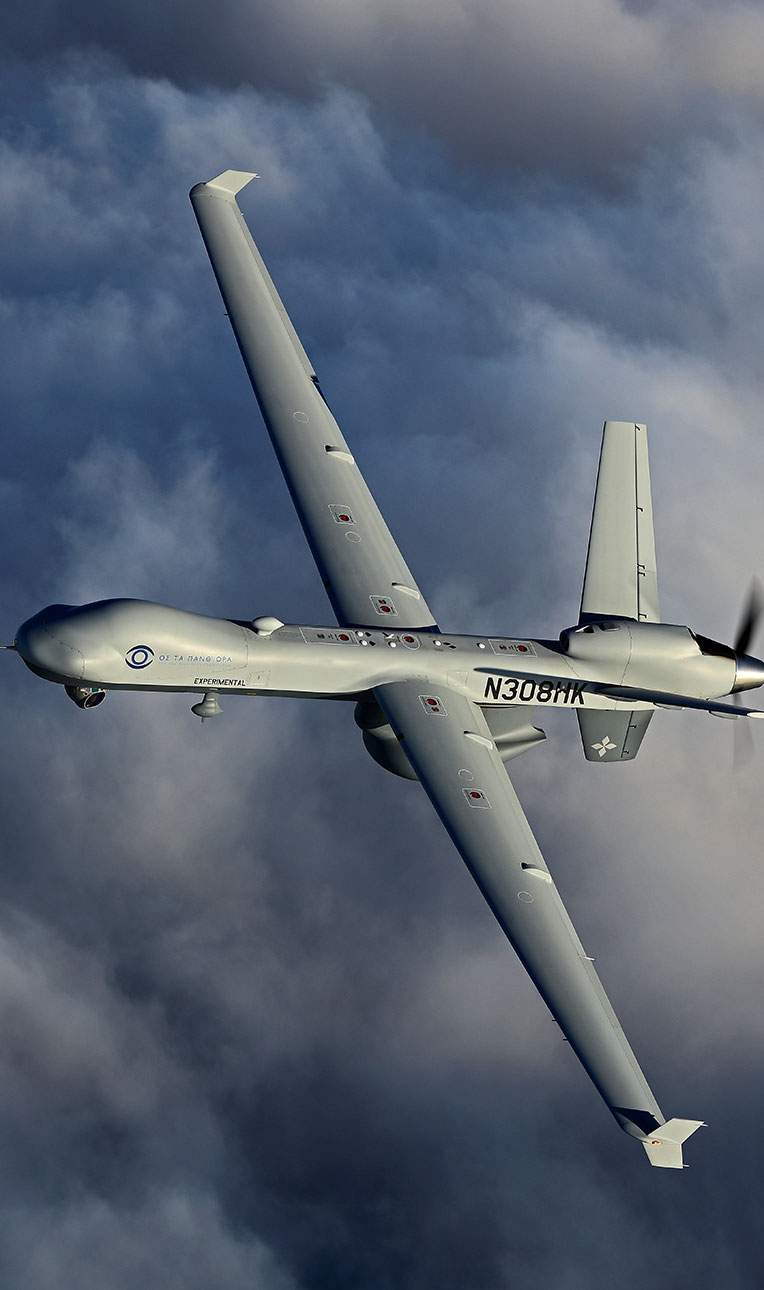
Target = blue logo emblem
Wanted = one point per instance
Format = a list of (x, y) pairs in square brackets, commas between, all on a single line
[(139, 656)]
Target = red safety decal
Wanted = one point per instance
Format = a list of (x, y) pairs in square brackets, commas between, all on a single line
[(512, 647), (431, 703), (325, 636), (342, 514), (476, 797), (383, 605)]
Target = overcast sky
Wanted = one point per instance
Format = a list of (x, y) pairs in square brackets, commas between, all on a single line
[(258, 1027)]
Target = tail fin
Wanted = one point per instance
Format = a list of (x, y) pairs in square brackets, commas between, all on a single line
[(664, 1146), (612, 736), (621, 579)]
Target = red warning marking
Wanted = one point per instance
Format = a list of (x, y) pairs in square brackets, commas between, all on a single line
[(432, 704), (343, 637), (342, 514), (476, 797), (383, 604), (512, 647)]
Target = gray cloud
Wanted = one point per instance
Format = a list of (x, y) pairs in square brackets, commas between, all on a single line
[(258, 1025), (92, 1240), (586, 93)]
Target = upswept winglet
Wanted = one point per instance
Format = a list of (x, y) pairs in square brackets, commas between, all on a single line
[(664, 1146), (230, 182)]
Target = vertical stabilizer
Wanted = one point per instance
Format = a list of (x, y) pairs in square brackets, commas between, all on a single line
[(612, 736), (621, 579)]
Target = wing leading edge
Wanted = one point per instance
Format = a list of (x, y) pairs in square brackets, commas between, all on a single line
[(365, 576), (449, 744)]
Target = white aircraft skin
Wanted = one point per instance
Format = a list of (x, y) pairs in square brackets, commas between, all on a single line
[(448, 710), (94, 647)]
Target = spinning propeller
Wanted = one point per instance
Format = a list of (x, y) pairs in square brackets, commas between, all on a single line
[(751, 618), (748, 626)]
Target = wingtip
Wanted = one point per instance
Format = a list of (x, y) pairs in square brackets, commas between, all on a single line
[(228, 182), (664, 1145)]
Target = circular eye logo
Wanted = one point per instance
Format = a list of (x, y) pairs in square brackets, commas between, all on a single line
[(139, 656)]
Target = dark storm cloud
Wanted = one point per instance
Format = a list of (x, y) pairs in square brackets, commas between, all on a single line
[(258, 1026), (586, 91)]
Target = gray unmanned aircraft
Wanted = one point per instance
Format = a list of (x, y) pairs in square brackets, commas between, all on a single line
[(448, 710)]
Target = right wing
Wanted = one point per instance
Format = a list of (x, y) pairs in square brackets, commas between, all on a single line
[(364, 573), (449, 745)]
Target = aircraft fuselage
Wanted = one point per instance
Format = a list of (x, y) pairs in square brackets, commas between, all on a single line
[(139, 645)]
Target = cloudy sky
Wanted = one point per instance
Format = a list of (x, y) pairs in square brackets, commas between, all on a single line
[(258, 1027)]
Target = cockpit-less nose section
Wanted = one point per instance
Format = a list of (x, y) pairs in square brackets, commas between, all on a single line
[(128, 644), (448, 710)]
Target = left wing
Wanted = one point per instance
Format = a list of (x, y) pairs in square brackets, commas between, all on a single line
[(449, 744), (366, 578)]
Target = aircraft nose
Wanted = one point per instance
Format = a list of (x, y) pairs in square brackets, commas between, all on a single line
[(42, 643), (749, 672)]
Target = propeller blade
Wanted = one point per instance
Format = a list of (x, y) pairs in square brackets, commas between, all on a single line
[(743, 746), (750, 618)]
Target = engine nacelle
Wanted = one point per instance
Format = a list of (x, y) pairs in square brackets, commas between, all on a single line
[(603, 642), (652, 656), (85, 696)]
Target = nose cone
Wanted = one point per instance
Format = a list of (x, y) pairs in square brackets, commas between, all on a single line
[(46, 646), (749, 672)]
